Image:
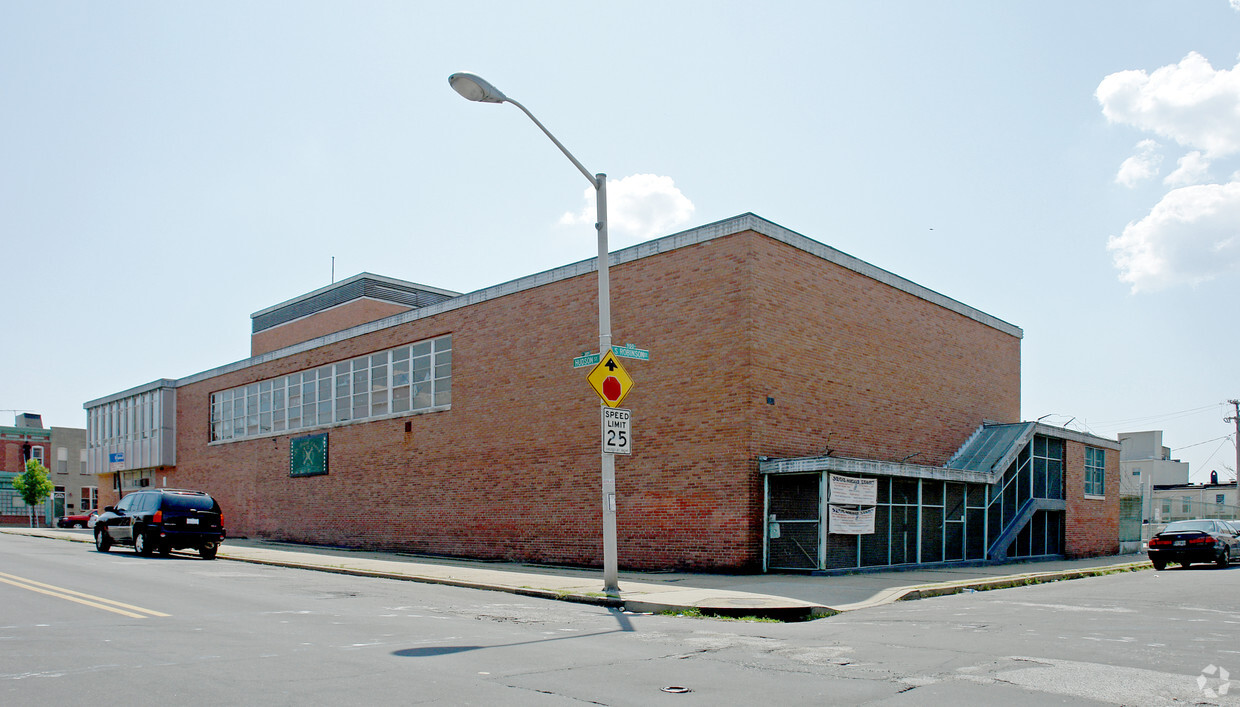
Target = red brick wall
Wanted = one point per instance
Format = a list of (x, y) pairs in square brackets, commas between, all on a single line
[(512, 470), (329, 321), (11, 453), (1092, 524), (866, 370)]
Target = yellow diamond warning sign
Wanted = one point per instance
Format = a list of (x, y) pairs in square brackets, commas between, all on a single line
[(610, 380)]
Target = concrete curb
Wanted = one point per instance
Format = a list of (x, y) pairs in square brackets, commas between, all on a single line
[(611, 602), (719, 602), (928, 591)]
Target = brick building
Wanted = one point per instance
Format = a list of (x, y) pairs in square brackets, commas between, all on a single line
[(26, 439), (62, 450), (398, 416)]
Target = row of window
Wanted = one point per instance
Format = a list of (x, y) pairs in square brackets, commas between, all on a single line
[(89, 497), (397, 381), (11, 502), (131, 418), (915, 521), (62, 460), (918, 521), (1187, 502)]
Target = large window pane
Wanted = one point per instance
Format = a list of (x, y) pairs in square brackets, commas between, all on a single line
[(903, 533), (874, 546), (378, 384), (931, 534)]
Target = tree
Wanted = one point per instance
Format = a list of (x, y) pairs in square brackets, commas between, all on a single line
[(34, 485)]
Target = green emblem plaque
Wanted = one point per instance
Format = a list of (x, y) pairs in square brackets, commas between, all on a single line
[(307, 456)]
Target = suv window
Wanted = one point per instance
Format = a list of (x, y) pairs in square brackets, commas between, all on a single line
[(126, 502), (185, 501)]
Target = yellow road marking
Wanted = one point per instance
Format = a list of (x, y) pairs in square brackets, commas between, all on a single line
[(87, 599)]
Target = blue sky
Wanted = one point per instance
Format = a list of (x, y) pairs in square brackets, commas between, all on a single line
[(169, 168)]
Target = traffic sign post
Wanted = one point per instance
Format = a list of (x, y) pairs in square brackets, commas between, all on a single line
[(610, 380), (617, 431)]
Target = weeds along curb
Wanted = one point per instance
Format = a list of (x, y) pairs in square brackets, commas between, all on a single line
[(1018, 581)]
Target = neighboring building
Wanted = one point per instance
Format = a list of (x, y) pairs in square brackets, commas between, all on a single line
[(1188, 501), (62, 450), (458, 426), (76, 488), (1144, 463)]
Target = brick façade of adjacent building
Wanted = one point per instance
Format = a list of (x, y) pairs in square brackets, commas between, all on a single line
[(763, 343)]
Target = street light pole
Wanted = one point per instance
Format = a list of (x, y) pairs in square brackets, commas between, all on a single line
[(476, 88)]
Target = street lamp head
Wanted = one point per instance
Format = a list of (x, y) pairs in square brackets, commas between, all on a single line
[(476, 88)]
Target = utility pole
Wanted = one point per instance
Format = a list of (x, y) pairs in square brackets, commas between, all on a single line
[(1236, 419)]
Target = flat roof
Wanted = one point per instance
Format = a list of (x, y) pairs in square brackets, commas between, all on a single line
[(694, 236)]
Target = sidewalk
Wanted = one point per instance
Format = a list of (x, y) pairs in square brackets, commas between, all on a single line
[(783, 596)]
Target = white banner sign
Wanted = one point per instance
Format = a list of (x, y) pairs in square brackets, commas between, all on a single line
[(849, 490), (847, 522)]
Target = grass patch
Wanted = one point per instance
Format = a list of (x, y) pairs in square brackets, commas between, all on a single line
[(693, 612)]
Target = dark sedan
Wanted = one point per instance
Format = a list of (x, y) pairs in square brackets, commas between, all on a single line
[(1189, 541)]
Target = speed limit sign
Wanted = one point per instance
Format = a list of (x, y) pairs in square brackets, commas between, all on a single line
[(617, 431)]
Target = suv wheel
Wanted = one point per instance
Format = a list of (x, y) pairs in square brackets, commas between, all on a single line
[(1224, 558), (142, 544), (208, 551), (102, 542)]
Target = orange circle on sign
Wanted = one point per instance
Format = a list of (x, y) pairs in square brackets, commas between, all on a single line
[(611, 388)]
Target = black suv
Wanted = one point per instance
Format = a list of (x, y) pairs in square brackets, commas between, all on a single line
[(162, 520)]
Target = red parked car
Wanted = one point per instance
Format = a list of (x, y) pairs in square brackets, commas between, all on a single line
[(84, 519)]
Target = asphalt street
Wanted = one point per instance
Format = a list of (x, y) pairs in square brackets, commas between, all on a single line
[(76, 624)]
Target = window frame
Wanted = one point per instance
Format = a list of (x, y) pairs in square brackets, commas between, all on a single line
[(1095, 472)]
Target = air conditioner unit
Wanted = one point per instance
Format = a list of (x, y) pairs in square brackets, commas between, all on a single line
[(144, 482)]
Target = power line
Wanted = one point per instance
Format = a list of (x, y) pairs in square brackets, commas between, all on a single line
[(1198, 444), (1207, 461), (1157, 418)]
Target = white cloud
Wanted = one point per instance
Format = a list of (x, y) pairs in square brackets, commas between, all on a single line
[(1190, 237), (639, 207), (1141, 166), (1192, 168), (1190, 103), (1235, 5)]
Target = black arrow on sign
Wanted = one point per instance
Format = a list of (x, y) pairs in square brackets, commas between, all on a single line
[(611, 365)]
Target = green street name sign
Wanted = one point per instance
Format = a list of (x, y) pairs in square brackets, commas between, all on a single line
[(627, 351), (631, 351), (587, 359)]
